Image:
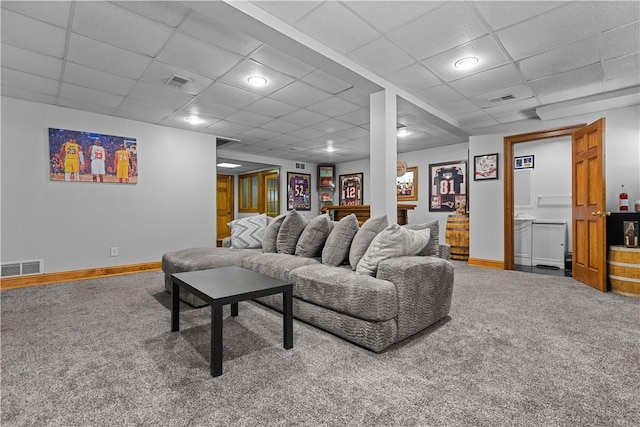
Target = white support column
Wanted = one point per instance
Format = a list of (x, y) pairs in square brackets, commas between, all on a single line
[(383, 155)]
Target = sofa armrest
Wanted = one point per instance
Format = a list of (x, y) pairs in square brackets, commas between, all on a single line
[(445, 251), (424, 285), (226, 242)]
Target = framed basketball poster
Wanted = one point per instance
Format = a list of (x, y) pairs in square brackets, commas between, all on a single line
[(351, 189), (298, 191), (448, 187)]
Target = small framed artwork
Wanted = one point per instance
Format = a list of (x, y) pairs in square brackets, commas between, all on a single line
[(630, 233), (448, 187), (485, 166), (351, 189), (326, 176), (407, 184), (298, 191), (523, 162)]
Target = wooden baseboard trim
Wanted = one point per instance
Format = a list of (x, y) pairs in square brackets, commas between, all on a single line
[(68, 276), (486, 263)]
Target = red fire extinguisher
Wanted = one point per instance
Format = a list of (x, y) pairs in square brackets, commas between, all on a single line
[(624, 201)]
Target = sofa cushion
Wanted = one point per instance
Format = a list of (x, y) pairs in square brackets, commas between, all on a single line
[(364, 236), (433, 247), (336, 249), (270, 239), (394, 241), (247, 233), (340, 289), (278, 266), (292, 226), (313, 237)]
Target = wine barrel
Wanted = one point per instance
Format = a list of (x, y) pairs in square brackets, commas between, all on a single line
[(624, 269), (457, 235)]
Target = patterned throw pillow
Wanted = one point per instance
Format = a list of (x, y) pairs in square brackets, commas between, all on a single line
[(313, 237), (394, 241), (292, 226), (433, 247), (336, 249), (247, 233), (364, 236)]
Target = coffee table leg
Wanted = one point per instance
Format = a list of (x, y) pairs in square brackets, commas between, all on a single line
[(216, 340), (175, 307), (287, 303), (234, 309)]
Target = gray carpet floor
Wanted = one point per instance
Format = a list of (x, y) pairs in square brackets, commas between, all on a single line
[(518, 349)]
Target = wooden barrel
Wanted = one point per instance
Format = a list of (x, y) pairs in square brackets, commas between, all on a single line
[(624, 269), (457, 235)]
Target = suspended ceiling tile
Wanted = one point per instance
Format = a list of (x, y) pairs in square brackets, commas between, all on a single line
[(413, 78), (280, 61), (488, 81), (559, 26), (300, 94), (331, 126), (191, 54), (622, 82), (288, 11), (51, 12), (453, 24), (353, 132), (282, 140), (304, 117), (473, 117), (29, 34), (225, 127), (356, 96), (485, 49), (381, 56), (84, 106), (280, 126), (101, 56), (258, 133), (28, 95), (239, 74), (325, 82), (332, 107), (270, 108), (502, 14), (621, 41), (211, 109), (438, 95), (337, 27), (507, 108), (247, 118), (31, 62), (222, 93), (570, 85), (458, 107), (388, 15), (206, 29), (565, 58), (179, 119), (620, 67), (97, 97), (95, 79), (306, 133), (119, 27), (153, 94), (612, 16), (29, 82), (516, 117), (166, 12)]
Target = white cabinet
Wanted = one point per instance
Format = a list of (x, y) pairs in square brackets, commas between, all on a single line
[(522, 242), (549, 243)]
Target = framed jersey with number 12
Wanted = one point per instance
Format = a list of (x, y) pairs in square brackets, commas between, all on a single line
[(448, 187)]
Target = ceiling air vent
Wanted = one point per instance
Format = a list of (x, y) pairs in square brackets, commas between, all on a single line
[(299, 165), (177, 81), (507, 97)]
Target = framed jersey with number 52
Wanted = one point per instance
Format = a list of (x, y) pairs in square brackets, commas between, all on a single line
[(448, 187)]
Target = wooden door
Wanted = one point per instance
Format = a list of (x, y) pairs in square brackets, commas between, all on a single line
[(589, 206), (271, 184), (224, 203)]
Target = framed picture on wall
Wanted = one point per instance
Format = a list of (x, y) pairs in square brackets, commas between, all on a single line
[(485, 167), (448, 187), (351, 189), (326, 176), (407, 184), (523, 162), (298, 191)]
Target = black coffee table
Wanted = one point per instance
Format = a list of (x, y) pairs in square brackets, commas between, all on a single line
[(229, 285)]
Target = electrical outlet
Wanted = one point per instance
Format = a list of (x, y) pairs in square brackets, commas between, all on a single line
[(114, 251)]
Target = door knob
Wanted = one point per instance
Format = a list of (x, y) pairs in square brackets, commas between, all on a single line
[(600, 213)]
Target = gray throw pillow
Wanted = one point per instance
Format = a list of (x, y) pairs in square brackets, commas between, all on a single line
[(270, 239), (364, 236), (336, 249), (313, 237), (394, 241), (433, 247), (292, 226)]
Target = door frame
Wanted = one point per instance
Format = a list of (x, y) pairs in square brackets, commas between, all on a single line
[(509, 210)]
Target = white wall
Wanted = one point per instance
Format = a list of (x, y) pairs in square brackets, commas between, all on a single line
[(622, 166), (72, 225)]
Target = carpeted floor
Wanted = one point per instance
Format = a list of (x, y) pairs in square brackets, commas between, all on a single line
[(518, 349)]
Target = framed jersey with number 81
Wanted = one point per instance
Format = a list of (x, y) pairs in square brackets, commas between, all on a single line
[(448, 187)]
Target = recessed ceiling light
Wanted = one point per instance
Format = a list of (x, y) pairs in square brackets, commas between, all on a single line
[(257, 81), (403, 132), (466, 62), (330, 149), (194, 120), (228, 165)]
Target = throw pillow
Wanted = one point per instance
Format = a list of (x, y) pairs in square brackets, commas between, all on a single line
[(433, 247), (364, 236), (269, 242), (247, 233), (394, 241), (292, 226), (336, 249), (313, 237)]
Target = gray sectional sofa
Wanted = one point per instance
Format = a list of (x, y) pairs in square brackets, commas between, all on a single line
[(327, 263)]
